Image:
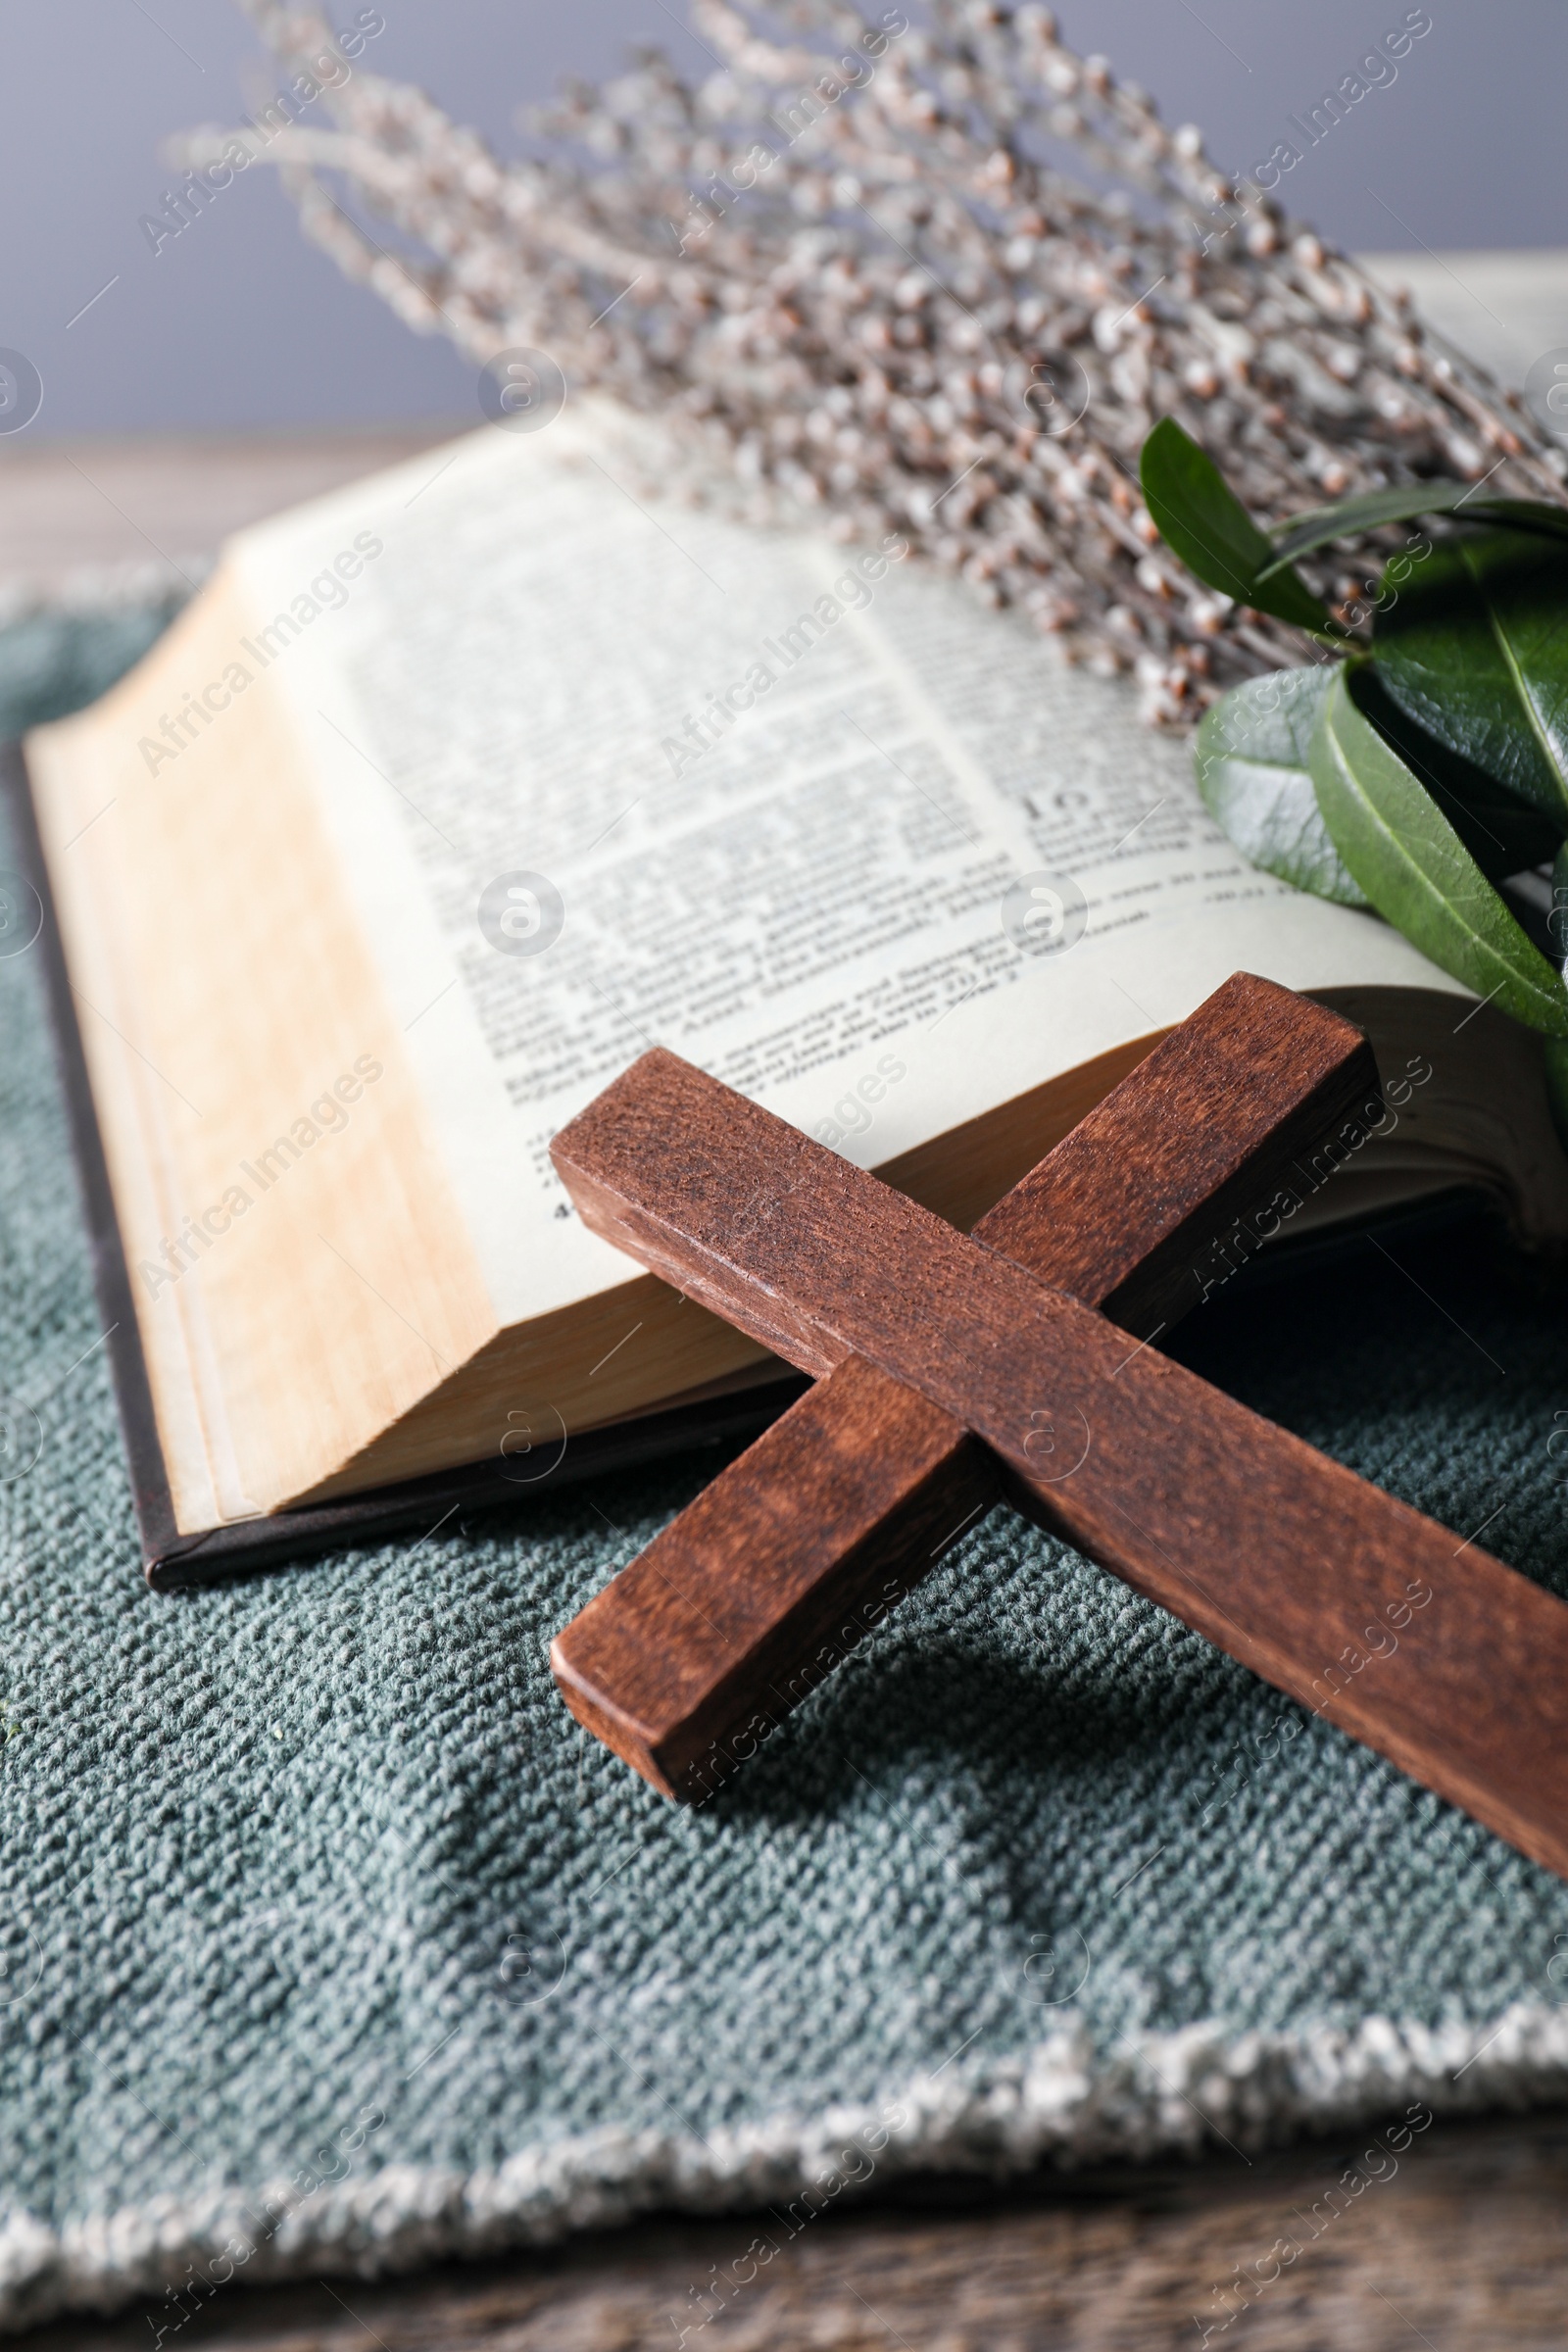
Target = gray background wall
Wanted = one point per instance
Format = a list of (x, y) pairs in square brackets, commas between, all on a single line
[(239, 323)]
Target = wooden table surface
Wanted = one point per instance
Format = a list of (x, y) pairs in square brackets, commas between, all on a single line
[(68, 507), (1466, 2246), (1463, 2249)]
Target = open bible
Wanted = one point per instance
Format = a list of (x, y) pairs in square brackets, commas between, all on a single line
[(450, 794)]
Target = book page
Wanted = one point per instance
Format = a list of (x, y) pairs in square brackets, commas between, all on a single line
[(605, 771)]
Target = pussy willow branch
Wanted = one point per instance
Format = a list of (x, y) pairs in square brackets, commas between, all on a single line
[(895, 323)]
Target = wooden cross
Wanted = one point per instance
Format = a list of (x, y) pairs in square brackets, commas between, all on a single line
[(925, 1341), (777, 1570)]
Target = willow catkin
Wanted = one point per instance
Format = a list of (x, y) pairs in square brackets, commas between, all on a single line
[(938, 277)]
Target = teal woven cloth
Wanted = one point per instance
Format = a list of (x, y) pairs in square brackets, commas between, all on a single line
[(329, 1940)]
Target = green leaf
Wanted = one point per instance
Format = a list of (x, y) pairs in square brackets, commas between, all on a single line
[(1407, 502), (1201, 520), (1251, 762), (1557, 1057), (1474, 648), (1556, 1047), (1418, 873), (1502, 834)]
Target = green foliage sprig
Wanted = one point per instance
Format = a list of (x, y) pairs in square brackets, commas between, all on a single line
[(1413, 770)]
